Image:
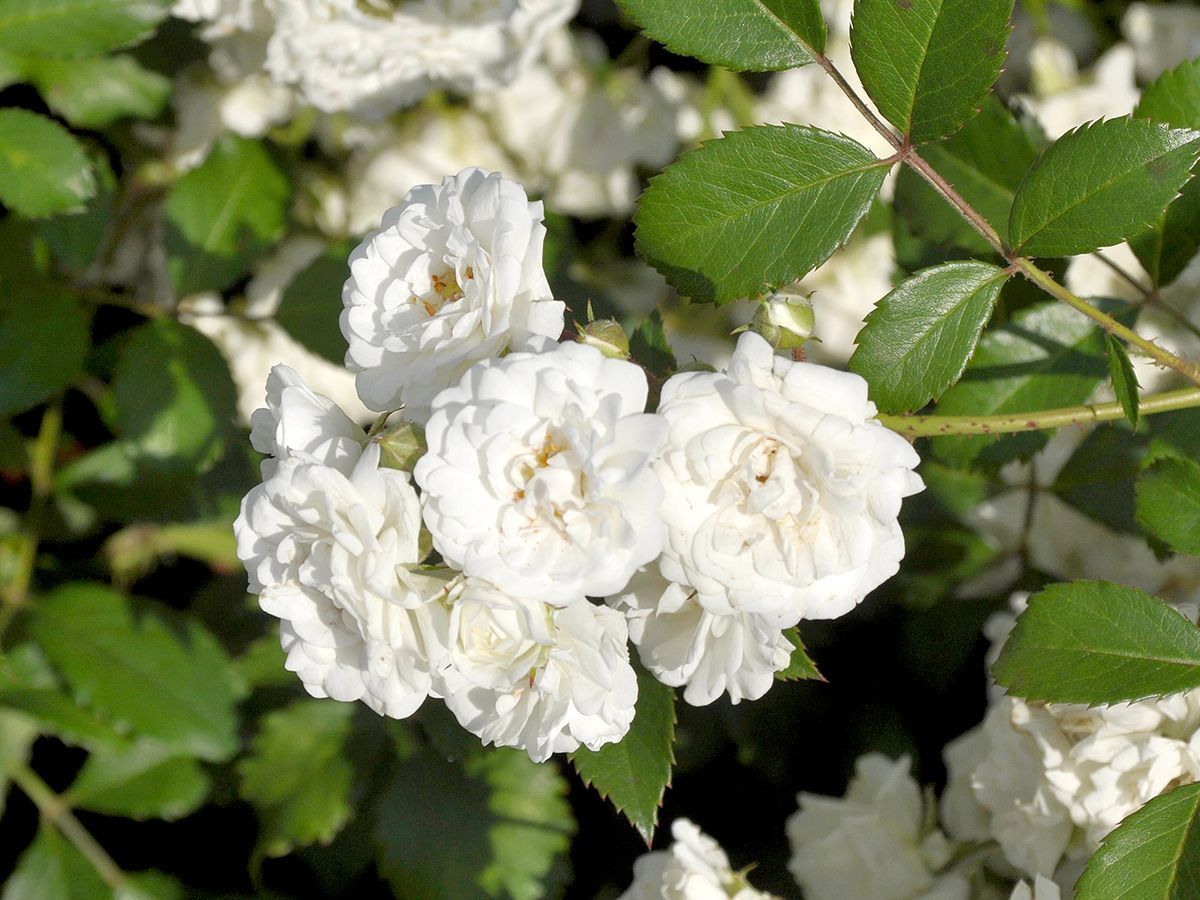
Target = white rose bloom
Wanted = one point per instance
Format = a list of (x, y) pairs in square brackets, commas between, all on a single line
[(782, 491), (375, 57), (694, 867), (328, 553), (1163, 36), (453, 277), (1110, 91), (425, 147), (579, 131), (299, 423), (579, 690), (223, 18), (538, 474), (682, 643), (870, 843)]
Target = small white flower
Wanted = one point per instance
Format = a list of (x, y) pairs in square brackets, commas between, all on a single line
[(538, 474), (782, 491), (298, 423), (579, 691), (453, 277), (694, 867), (869, 843), (373, 57), (1043, 889), (329, 553), (1163, 36), (682, 643)]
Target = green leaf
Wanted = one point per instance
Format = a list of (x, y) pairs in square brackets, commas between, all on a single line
[(17, 734), (929, 64), (1169, 245), (43, 169), (149, 886), (984, 162), (1153, 853), (755, 209), (634, 773), (494, 825), (174, 397), (52, 869), (1168, 502), (1124, 379), (1098, 478), (262, 663), (29, 684), (312, 303), (143, 782), (93, 93), (76, 28), (801, 668), (224, 214), (918, 339), (744, 35), (1100, 184), (648, 346), (1097, 642), (140, 673), (1044, 357), (75, 239), (44, 340), (297, 775)]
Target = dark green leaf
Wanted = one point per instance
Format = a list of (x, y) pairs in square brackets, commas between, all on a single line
[(1168, 502), (175, 399), (1124, 379), (634, 773), (224, 214), (93, 93), (1153, 855), (1045, 357), (1169, 245), (1097, 642), (1098, 478), (918, 339), (43, 342), (43, 170), (755, 209), (75, 28), (984, 162), (29, 684), (648, 346), (495, 824), (76, 239), (140, 673), (297, 775), (262, 664), (1100, 184), (313, 301), (143, 782), (52, 869), (801, 668), (149, 886), (749, 35), (929, 64)]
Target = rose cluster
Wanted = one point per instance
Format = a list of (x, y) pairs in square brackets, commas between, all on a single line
[(550, 518)]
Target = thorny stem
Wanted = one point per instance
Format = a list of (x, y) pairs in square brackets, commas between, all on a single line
[(15, 594), (911, 158), (55, 811), (938, 426)]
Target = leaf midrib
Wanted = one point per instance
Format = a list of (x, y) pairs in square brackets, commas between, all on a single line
[(787, 29)]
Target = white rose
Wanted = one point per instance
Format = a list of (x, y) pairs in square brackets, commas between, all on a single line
[(328, 553), (582, 691), (682, 643), (694, 867), (298, 423), (494, 639), (453, 277), (1043, 889), (1163, 36), (538, 474), (782, 491), (1111, 90), (374, 57), (869, 843)]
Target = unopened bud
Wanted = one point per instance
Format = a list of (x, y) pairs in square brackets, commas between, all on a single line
[(401, 446), (607, 336), (785, 320)]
